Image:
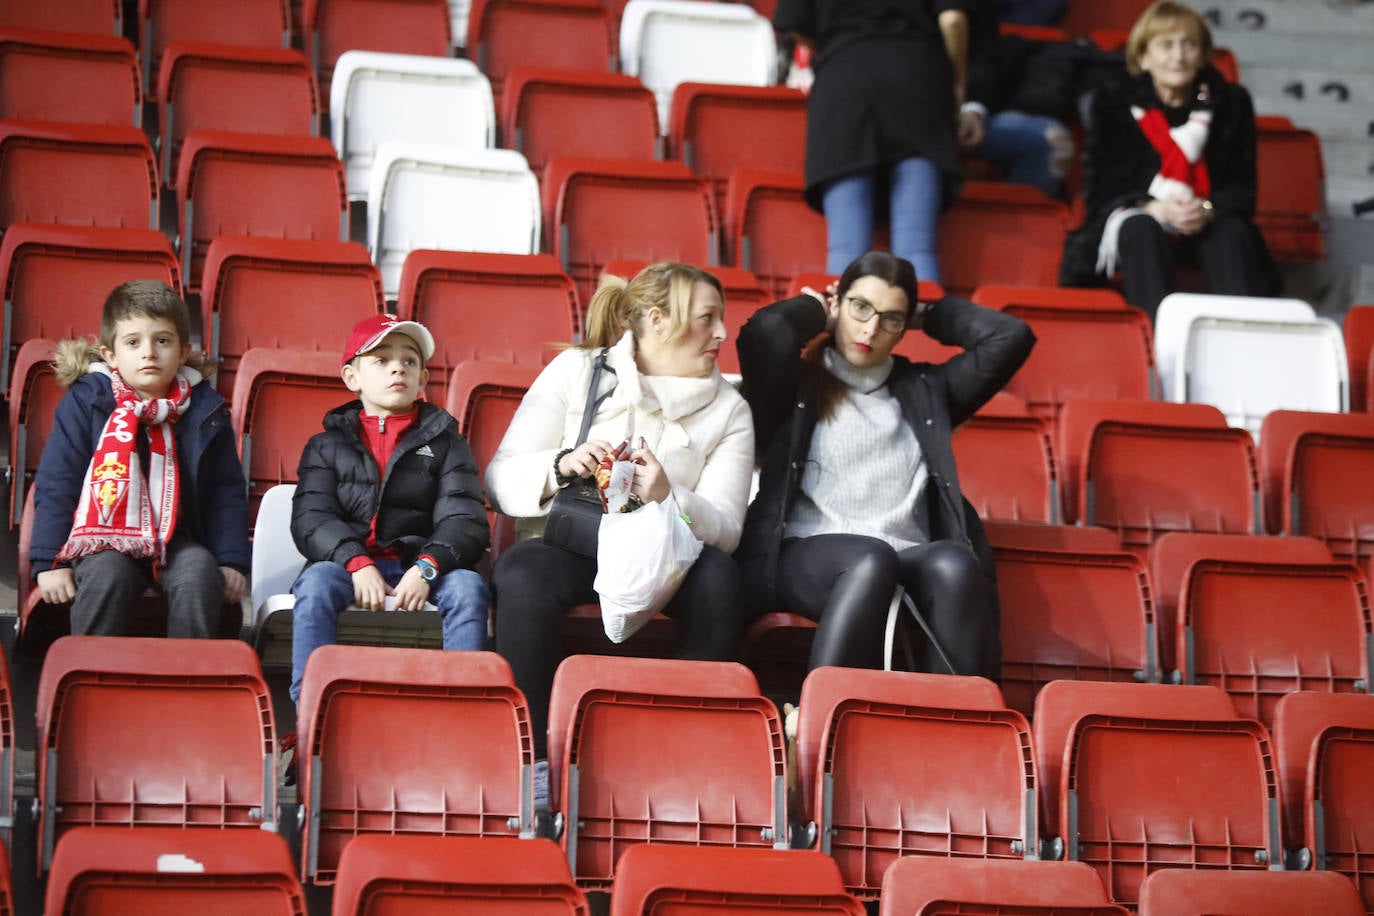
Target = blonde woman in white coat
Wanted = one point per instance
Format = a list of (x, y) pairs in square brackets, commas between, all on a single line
[(662, 332)]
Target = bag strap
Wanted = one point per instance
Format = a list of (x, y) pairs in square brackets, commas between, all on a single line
[(594, 402)]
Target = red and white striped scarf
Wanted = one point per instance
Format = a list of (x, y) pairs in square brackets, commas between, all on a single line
[(120, 508), (1182, 169)]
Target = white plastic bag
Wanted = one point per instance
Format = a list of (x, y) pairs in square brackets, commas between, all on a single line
[(641, 559)]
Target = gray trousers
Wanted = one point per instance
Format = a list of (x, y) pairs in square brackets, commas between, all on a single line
[(109, 583)]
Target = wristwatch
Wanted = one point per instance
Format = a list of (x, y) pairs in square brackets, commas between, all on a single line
[(428, 571)]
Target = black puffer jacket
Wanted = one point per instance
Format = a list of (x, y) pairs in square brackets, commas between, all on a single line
[(429, 500)]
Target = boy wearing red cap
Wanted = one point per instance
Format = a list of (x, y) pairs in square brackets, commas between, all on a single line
[(388, 502)]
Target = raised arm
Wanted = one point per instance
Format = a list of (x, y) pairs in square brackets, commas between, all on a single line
[(770, 345), (995, 345)]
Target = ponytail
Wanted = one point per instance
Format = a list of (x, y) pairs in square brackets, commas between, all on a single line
[(607, 313)]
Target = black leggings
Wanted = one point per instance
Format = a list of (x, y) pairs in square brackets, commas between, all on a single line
[(845, 582), (534, 585)]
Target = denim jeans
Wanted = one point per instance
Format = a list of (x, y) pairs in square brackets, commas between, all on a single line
[(914, 208), (324, 590), (1022, 143)]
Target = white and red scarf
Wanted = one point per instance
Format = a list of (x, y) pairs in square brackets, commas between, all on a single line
[(121, 508), (1182, 169)]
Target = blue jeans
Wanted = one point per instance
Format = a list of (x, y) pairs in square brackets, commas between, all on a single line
[(1025, 144), (324, 590), (914, 207)]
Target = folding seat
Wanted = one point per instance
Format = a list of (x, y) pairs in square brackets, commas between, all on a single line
[(597, 210), (66, 76), (377, 97), (686, 880), (1291, 204), (134, 731), (548, 112), (378, 728), (93, 17), (1144, 468), (77, 267), (425, 197), (7, 749), (1033, 536), (1082, 615), (566, 34), (667, 42), (283, 294), (1082, 18), (32, 404), (1089, 344), (497, 307), (1177, 892), (1358, 329), (221, 87), (717, 129), (331, 27), (432, 875), (1006, 463), (246, 23), (483, 397), (946, 886), (258, 185), (771, 230), (279, 401), (1314, 473), (76, 174), (171, 870), (996, 233), (1139, 787), (943, 729), (661, 751)]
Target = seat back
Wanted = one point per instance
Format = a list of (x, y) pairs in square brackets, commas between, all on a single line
[(547, 112), (1260, 893), (597, 210), (916, 884), (1358, 330), (1088, 344), (504, 35), (1291, 202), (426, 197), (332, 27), (1006, 467), (32, 406), (95, 17), (405, 875), (119, 721), (1035, 536), (771, 230), (483, 397), (658, 750), (257, 185), (378, 727), (495, 307), (283, 294), (1339, 815), (683, 880), (276, 561), (248, 23), (1001, 233), (65, 76), (77, 175), (164, 870), (218, 87), (377, 97), (1301, 721)]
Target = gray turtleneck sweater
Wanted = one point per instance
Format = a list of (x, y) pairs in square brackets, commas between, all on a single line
[(865, 471)]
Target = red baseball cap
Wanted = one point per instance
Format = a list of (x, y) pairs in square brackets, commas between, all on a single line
[(369, 332)]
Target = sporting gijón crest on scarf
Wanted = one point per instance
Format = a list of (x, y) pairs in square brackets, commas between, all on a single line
[(121, 508)]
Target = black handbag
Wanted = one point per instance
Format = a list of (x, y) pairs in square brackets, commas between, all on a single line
[(574, 522)]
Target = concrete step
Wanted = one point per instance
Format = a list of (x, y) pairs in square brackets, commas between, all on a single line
[(1328, 120), (1305, 84), (1349, 160), (1343, 193), (1291, 17)]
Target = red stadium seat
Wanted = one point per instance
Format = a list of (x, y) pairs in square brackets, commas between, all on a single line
[(947, 886), (379, 755), (493, 307), (1313, 470), (1072, 538), (76, 174), (246, 23), (1300, 720), (1291, 203), (689, 880), (547, 112), (8, 743), (855, 724), (156, 870), (66, 76), (998, 233), (482, 397), (170, 732), (77, 267), (567, 34), (1006, 467), (1358, 327), (771, 230), (432, 876), (1177, 892), (661, 751), (598, 210), (258, 185), (219, 87), (94, 17), (36, 393), (1089, 344), (283, 294), (331, 27), (1081, 19)]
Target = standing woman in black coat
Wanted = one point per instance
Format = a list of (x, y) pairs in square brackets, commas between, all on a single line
[(858, 492), (1169, 171), (880, 133)]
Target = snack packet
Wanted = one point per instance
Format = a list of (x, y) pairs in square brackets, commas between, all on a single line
[(616, 473)]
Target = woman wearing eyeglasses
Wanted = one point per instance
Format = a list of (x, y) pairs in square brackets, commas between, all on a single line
[(858, 492)]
